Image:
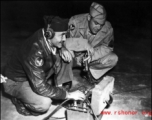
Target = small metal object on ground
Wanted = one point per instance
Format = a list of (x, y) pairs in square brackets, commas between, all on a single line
[(75, 115)]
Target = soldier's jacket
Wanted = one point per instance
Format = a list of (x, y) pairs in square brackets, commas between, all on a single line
[(81, 44), (78, 27), (34, 62)]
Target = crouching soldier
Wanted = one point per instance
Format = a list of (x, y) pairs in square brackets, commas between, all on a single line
[(31, 66)]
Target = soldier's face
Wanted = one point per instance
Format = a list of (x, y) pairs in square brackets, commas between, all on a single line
[(58, 39), (95, 26)]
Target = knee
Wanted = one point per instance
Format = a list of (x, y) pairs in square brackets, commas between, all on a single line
[(43, 105), (114, 59), (110, 60)]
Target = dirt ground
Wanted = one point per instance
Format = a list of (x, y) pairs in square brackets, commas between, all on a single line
[(132, 87)]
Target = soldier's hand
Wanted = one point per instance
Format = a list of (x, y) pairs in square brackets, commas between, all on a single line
[(66, 55), (76, 95), (90, 51), (89, 57), (3, 79)]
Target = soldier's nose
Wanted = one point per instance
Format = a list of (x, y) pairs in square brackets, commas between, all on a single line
[(64, 38)]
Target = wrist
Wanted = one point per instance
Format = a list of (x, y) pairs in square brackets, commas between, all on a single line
[(92, 58), (67, 95)]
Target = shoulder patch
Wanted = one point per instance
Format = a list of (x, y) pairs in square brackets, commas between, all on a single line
[(39, 61), (72, 27)]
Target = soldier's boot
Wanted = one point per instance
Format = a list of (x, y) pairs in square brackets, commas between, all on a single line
[(20, 107)]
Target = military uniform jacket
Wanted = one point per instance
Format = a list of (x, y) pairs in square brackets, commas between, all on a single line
[(34, 62), (102, 41)]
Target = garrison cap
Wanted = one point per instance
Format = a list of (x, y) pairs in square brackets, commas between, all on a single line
[(56, 23), (97, 11)]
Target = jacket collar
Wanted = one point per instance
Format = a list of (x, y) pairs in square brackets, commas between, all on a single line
[(48, 47)]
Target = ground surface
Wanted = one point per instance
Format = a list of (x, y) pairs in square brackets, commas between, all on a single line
[(132, 89)]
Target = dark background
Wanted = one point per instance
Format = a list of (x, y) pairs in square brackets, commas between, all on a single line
[(133, 13)]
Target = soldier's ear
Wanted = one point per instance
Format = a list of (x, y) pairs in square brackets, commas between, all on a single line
[(89, 17)]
